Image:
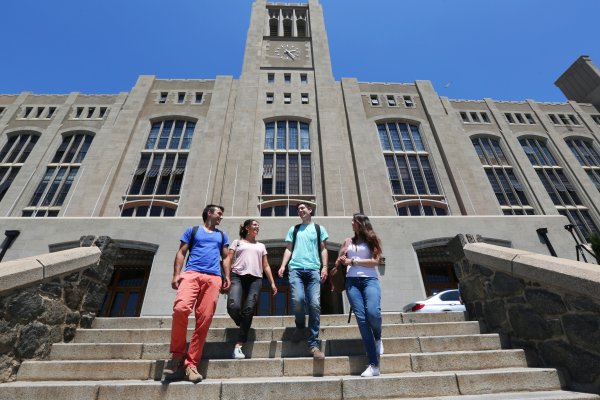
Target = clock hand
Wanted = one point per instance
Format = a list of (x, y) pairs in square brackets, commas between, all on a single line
[(289, 53)]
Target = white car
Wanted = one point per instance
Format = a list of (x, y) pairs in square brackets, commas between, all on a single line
[(448, 300)]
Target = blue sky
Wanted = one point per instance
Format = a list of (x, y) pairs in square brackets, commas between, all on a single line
[(469, 49)]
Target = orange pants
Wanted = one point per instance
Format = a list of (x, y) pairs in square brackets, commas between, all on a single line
[(201, 290)]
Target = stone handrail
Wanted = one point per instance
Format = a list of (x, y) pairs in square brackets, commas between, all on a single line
[(548, 306), (573, 276), (44, 299), (28, 271)]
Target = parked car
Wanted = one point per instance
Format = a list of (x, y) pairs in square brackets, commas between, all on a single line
[(448, 300)]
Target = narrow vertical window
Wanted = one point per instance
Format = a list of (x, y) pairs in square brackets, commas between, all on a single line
[(559, 188), (413, 181), (505, 185), (12, 156), (287, 169), (54, 187), (156, 183), (589, 158)]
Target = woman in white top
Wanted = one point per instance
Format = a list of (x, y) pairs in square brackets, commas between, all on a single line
[(361, 255), (248, 263)]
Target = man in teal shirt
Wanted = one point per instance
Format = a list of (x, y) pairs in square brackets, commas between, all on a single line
[(307, 256)]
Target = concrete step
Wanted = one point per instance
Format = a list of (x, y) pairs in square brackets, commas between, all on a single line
[(223, 321), (541, 384), (274, 349), (271, 367), (278, 333), (544, 395)]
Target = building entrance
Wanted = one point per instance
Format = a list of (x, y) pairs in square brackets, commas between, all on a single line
[(281, 304), (437, 271)]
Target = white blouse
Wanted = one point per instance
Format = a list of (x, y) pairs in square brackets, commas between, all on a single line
[(361, 251)]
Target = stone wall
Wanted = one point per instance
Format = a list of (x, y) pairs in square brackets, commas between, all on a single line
[(38, 312), (548, 306)]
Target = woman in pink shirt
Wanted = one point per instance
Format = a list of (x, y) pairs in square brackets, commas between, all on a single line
[(248, 263)]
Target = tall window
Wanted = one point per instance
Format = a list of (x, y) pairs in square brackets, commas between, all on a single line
[(287, 167), (559, 188), (507, 188), (156, 183), (412, 178), (12, 156), (60, 174), (588, 157)]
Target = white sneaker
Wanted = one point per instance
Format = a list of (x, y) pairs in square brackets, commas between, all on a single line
[(379, 347), (370, 371), (237, 353)]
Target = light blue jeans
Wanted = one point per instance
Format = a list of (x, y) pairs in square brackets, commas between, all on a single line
[(306, 293), (364, 295)]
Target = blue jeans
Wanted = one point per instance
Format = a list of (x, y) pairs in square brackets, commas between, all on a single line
[(306, 293), (364, 295)]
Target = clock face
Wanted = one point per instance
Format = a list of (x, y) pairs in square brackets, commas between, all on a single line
[(287, 52)]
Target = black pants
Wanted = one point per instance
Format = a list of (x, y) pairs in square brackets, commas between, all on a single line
[(243, 295)]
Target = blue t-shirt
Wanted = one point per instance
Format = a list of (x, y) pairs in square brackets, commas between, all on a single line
[(305, 254), (205, 254)]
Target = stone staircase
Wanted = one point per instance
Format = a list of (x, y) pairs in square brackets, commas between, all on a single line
[(427, 356)]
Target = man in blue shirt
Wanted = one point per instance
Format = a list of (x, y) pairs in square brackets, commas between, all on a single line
[(197, 289), (306, 255)]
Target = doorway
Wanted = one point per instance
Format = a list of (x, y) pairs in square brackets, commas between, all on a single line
[(281, 304), (437, 271)]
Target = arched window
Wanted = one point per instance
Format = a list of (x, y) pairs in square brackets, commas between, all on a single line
[(287, 27), (588, 157), (301, 26), (411, 174), (12, 156), (273, 26), (284, 208), (559, 188), (52, 190), (160, 170), (287, 163), (149, 209), (418, 208), (507, 188)]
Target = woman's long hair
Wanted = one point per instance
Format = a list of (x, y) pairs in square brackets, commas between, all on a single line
[(244, 228), (365, 233)]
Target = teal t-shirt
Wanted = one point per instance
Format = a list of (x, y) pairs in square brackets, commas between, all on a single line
[(305, 254)]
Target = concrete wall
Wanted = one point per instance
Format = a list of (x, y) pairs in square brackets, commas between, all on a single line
[(401, 278)]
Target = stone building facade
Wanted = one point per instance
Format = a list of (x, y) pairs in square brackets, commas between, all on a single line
[(140, 166)]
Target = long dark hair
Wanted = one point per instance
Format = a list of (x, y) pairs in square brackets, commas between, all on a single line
[(365, 233), (244, 228)]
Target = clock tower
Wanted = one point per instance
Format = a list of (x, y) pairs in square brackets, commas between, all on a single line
[(289, 117)]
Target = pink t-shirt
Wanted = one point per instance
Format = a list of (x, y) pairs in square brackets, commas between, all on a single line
[(248, 258)]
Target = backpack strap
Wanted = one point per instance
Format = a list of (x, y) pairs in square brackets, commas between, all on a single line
[(296, 229), (192, 243), (221, 255), (318, 229)]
